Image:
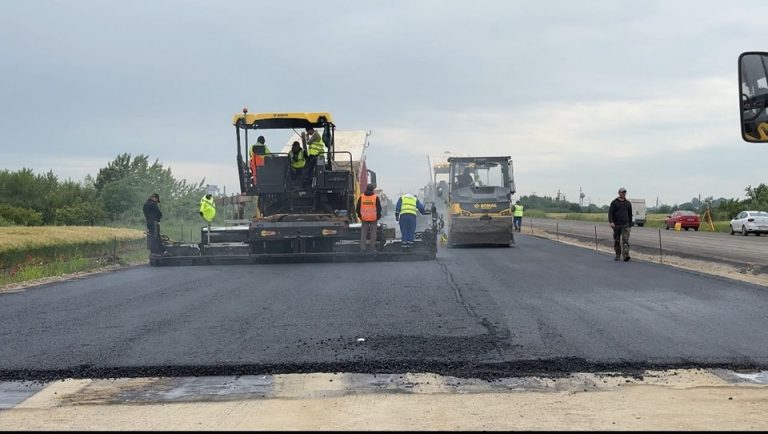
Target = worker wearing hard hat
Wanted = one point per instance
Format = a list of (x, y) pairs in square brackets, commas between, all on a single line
[(405, 212), (369, 211), (207, 208)]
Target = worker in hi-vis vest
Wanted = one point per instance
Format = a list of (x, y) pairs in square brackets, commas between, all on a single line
[(518, 216), (405, 212), (369, 211), (207, 208), (315, 149)]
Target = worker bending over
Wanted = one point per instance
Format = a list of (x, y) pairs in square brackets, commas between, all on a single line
[(405, 212)]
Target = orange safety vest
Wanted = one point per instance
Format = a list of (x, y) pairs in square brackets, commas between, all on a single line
[(256, 161), (368, 208)]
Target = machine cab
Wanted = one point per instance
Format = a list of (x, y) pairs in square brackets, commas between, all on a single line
[(753, 89)]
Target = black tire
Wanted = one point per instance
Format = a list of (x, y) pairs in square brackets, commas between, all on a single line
[(687, 229), (696, 228), (732, 231), (744, 231)]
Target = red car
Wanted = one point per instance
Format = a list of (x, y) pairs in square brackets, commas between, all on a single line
[(687, 220)]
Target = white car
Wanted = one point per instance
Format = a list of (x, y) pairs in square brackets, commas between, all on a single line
[(746, 222)]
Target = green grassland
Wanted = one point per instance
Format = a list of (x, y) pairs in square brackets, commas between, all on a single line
[(28, 253)]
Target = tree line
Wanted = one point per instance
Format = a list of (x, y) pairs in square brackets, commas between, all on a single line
[(114, 196), (756, 198)]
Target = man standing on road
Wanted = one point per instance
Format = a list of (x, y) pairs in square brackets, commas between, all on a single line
[(518, 216), (405, 213), (369, 211), (152, 214), (620, 218)]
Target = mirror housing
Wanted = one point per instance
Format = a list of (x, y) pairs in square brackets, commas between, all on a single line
[(753, 99)]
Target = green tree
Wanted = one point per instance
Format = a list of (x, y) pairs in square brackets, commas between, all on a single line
[(757, 198), (127, 181)]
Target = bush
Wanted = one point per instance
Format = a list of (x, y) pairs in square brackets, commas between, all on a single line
[(20, 216), (79, 214)]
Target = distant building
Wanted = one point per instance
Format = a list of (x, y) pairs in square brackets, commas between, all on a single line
[(212, 189)]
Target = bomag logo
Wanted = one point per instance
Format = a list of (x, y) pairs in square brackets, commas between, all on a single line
[(485, 206), (280, 115)]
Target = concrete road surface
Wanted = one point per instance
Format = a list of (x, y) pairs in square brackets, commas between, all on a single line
[(538, 308)]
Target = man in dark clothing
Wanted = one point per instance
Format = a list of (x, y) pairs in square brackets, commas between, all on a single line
[(465, 179), (620, 218), (369, 211), (153, 215)]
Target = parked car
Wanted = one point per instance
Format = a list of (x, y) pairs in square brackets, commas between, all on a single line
[(746, 222), (687, 220)]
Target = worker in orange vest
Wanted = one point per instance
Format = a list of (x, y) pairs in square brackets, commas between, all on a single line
[(369, 211), (257, 156)]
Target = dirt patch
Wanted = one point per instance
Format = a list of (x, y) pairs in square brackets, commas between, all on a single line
[(673, 400)]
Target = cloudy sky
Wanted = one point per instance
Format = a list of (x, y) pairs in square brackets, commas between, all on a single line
[(597, 95)]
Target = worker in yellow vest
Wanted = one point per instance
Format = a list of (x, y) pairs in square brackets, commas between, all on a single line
[(298, 160), (518, 216), (315, 148), (405, 213), (207, 208)]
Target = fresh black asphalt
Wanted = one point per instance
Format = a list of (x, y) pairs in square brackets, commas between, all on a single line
[(537, 308)]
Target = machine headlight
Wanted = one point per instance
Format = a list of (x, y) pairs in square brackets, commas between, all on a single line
[(266, 233), (330, 231)]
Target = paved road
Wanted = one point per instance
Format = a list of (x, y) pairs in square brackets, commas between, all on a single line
[(538, 307), (718, 246)]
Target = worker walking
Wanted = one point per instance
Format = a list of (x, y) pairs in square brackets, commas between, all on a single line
[(207, 208), (620, 219), (518, 216), (369, 211), (152, 215), (405, 212)]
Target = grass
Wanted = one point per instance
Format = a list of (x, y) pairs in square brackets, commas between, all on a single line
[(34, 252)]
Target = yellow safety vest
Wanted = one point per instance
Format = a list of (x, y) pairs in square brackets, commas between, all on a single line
[(208, 208), (299, 162), (317, 147), (518, 210), (408, 205)]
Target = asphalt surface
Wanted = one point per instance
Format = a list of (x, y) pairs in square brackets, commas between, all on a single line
[(718, 246), (540, 308)]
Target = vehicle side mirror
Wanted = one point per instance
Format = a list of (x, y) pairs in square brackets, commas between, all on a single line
[(753, 91)]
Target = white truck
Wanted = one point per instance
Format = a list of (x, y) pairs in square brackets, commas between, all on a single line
[(638, 211)]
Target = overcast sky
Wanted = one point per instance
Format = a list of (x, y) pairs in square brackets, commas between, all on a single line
[(597, 95)]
